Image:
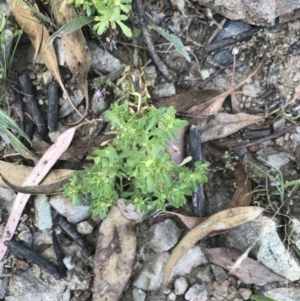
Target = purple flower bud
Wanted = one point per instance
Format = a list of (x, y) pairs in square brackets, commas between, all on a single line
[(98, 94), (273, 184)]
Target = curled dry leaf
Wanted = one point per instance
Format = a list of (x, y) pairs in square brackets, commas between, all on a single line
[(128, 211), (249, 272), (17, 174), (221, 221), (34, 178), (30, 25), (77, 54), (242, 194), (49, 189), (226, 124), (114, 257)]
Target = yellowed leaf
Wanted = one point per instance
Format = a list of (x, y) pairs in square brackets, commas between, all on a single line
[(77, 54), (221, 221), (28, 23), (114, 257), (16, 174)]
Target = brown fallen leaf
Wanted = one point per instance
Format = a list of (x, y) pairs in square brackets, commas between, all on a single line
[(189, 221), (49, 189), (213, 106), (77, 54), (226, 124), (221, 221), (16, 174), (114, 256), (249, 272), (184, 101), (242, 194), (175, 147)]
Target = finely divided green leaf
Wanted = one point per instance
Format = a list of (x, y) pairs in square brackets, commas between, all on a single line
[(261, 298), (175, 41), (70, 27)]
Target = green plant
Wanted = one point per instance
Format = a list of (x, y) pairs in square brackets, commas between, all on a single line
[(136, 165), (107, 12)]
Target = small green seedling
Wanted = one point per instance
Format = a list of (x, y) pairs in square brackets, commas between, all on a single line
[(136, 165), (107, 12)]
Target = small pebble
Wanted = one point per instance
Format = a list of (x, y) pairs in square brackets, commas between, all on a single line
[(180, 286), (245, 293)]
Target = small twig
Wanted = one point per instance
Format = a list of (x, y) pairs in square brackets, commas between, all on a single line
[(229, 41), (161, 66), (276, 135)]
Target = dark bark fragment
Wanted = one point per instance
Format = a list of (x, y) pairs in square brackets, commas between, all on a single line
[(59, 256), (32, 257), (52, 106), (73, 233), (37, 117)]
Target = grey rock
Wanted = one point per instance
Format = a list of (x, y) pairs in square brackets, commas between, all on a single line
[(259, 13), (64, 206), (7, 195), (267, 246), (150, 276), (67, 108), (42, 212), (103, 60), (219, 273), (172, 296), (284, 294), (273, 254), (180, 286), (204, 274), (85, 228), (190, 260), (47, 77), (278, 160), (222, 57), (26, 237), (151, 74), (197, 292), (232, 28), (98, 105), (157, 298), (164, 90), (296, 138), (66, 295), (163, 236), (3, 286), (138, 295)]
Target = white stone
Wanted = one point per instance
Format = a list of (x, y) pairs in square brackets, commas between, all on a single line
[(180, 286), (172, 296), (47, 77), (138, 295), (204, 74), (85, 228)]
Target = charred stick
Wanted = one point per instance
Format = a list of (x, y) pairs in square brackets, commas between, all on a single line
[(20, 109), (26, 87), (268, 93), (245, 36), (52, 106), (73, 233), (161, 66), (32, 257), (198, 198), (59, 256)]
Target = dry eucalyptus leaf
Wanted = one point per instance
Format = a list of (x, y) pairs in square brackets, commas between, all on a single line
[(213, 106), (249, 272), (16, 174), (30, 25), (36, 175), (114, 257), (226, 124), (129, 211), (189, 221), (175, 147), (49, 189), (77, 54), (221, 221)]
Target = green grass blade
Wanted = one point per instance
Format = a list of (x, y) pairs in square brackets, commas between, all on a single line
[(175, 41)]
